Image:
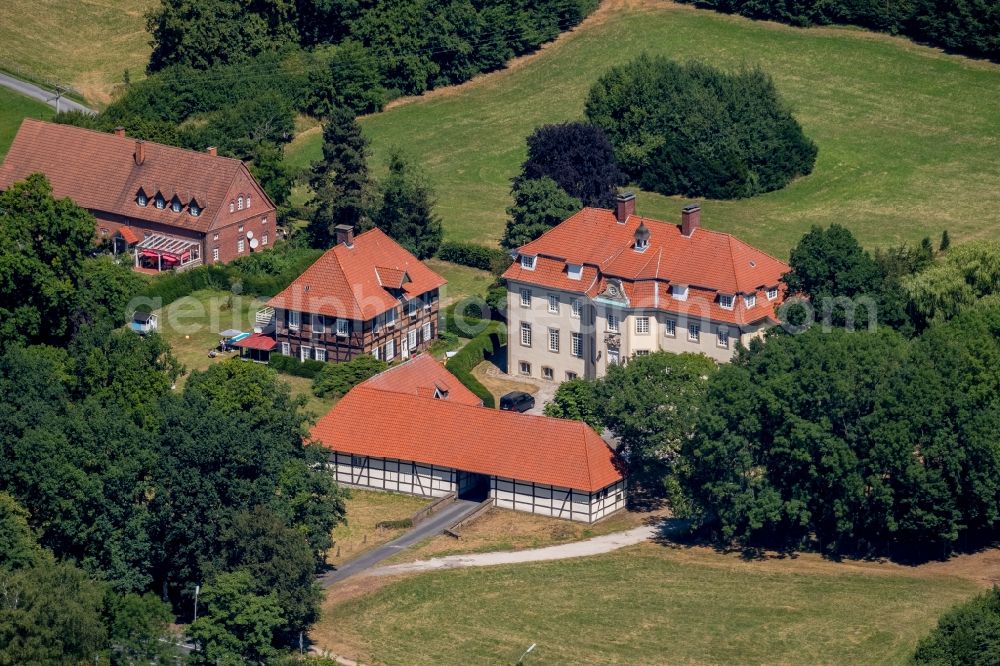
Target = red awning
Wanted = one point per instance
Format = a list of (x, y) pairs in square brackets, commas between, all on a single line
[(258, 342), (128, 235)]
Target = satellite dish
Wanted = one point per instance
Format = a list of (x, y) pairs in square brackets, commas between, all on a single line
[(249, 234), (254, 243)]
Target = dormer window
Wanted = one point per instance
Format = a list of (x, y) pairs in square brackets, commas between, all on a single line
[(142, 199), (574, 271), (726, 302), (239, 203), (772, 293), (194, 209), (160, 202), (750, 300), (679, 292), (175, 205), (641, 237), (528, 263)]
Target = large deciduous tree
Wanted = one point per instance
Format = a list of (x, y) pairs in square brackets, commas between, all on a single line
[(691, 129), (579, 158), (238, 625), (966, 635), (405, 210), (340, 181)]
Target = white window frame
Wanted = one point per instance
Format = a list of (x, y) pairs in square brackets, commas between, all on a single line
[(772, 293), (614, 323), (726, 302), (215, 254), (248, 202), (642, 325), (320, 354), (194, 210), (343, 328), (694, 333), (232, 207), (390, 318), (524, 368), (553, 338), (263, 239), (525, 297), (525, 334), (305, 352), (722, 337), (294, 319), (240, 246), (427, 332), (614, 357), (670, 328), (239, 203), (553, 304), (574, 271), (160, 202), (318, 325), (750, 300), (576, 345), (679, 292), (142, 200), (528, 262), (411, 339), (286, 349), (548, 373), (175, 205), (390, 350), (411, 307), (575, 308)]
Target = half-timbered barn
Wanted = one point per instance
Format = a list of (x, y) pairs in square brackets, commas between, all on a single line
[(365, 295), (416, 429)]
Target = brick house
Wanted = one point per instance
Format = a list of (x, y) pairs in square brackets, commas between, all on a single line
[(605, 285), (365, 295), (169, 207)]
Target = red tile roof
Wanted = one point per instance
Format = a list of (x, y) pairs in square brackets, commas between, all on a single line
[(99, 171), (129, 234), (708, 262), (258, 342), (354, 282), (422, 375), (403, 423)]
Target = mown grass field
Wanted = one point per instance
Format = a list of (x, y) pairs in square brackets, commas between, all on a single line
[(87, 44), (647, 605), (908, 137), (13, 109)]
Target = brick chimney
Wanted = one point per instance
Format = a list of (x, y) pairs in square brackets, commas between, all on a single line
[(690, 219), (345, 234), (140, 151), (211, 150), (624, 206), (120, 131)]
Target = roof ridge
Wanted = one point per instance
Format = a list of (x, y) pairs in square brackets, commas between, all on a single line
[(113, 136)]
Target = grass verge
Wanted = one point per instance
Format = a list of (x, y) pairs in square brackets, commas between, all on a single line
[(365, 509), (13, 109)]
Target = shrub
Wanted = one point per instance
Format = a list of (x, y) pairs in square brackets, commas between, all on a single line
[(293, 366), (691, 129), (336, 379), (400, 524), (474, 353), (473, 255), (967, 635)]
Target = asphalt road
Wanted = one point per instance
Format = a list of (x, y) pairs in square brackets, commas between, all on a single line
[(41, 94), (434, 525)]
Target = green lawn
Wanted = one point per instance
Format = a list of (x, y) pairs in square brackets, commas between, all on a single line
[(191, 327), (645, 605), (462, 280), (13, 109), (87, 44), (908, 137)]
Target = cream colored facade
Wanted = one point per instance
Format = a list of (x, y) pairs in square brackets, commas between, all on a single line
[(610, 331)]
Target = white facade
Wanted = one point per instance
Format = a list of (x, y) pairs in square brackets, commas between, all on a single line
[(432, 481)]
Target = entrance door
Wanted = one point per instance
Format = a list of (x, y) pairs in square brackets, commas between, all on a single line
[(473, 487), (405, 349)]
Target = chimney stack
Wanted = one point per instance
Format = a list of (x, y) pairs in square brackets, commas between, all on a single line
[(140, 151), (624, 206), (120, 131), (212, 151), (345, 234), (690, 219)]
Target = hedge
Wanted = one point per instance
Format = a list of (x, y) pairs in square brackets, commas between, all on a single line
[(292, 366), (474, 353), (401, 524), (491, 259)]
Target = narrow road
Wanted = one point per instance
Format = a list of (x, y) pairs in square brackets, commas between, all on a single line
[(433, 526), (594, 546), (41, 94)]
